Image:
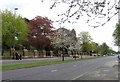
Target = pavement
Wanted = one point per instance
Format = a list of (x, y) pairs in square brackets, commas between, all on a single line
[(30, 60)]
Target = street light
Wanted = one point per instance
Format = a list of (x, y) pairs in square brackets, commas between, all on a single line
[(15, 37), (15, 10)]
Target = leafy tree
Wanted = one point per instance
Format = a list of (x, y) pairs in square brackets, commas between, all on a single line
[(85, 37), (96, 48), (85, 41), (111, 51), (88, 47), (14, 29), (78, 44), (65, 39), (41, 31), (1, 30), (104, 49), (116, 35), (92, 47)]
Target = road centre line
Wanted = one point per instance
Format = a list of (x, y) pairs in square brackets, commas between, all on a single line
[(82, 75), (79, 76), (54, 70)]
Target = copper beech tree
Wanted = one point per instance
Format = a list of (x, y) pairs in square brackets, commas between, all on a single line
[(41, 31)]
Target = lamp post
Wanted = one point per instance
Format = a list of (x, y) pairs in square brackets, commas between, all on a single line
[(15, 10), (15, 38)]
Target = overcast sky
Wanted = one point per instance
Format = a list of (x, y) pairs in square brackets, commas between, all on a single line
[(33, 8)]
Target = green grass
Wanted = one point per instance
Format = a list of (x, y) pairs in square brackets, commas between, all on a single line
[(35, 64)]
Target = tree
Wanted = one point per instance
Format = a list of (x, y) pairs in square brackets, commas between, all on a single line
[(65, 39), (95, 10), (116, 35), (78, 44), (41, 31), (85, 37), (96, 48), (111, 52), (91, 47), (0, 32), (104, 49), (85, 41), (14, 29)]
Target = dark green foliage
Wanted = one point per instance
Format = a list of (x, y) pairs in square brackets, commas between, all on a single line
[(116, 35)]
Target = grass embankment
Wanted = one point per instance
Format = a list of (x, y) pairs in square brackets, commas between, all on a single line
[(35, 64)]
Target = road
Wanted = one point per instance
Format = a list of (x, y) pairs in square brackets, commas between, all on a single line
[(64, 71)]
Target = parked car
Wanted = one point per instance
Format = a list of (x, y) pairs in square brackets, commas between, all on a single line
[(76, 56), (99, 55), (104, 55)]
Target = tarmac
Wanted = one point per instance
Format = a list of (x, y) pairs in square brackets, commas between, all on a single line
[(108, 71)]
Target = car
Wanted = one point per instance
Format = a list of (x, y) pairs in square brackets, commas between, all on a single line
[(104, 55), (76, 56), (99, 55)]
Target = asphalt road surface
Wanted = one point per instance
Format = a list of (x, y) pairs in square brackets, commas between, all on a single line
[(64, 71)]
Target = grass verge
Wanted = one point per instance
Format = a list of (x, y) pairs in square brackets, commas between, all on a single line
[(35, 64)]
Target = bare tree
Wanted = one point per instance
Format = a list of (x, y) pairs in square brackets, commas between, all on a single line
[(94, 10)]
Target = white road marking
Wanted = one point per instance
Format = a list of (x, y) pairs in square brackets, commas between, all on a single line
[(54, 70), (79, 76), (106, 70)]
